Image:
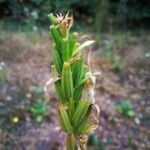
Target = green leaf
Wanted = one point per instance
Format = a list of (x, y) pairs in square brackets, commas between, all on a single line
[(131, 113), (119, 108), (39, 109), (126, 106), (39, 119)]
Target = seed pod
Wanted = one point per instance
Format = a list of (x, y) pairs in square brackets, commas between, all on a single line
[(63, 30), (85, 122), (78, 92), (89, 128), (59, 91), (81, 110), (56, 37), (65, 49), (72, 42), (57, 59), (71, 107), (61, 122), (64, 118), (52, 19), (77, 71), (85, 128), (66, 81), (77, 45)]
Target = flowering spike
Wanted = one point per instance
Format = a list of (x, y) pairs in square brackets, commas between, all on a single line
[(74, 112)]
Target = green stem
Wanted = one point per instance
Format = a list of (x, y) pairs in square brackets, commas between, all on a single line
[(71, 142)]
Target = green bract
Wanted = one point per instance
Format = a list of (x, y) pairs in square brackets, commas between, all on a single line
[(74, 112)]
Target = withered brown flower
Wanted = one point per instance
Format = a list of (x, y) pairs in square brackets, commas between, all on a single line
[(65, 22)]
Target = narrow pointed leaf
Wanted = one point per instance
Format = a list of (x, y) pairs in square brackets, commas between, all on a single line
[(85, 44)]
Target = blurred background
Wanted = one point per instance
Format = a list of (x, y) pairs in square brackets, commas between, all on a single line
[(121, 55)]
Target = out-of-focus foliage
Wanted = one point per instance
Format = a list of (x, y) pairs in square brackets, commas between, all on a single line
[(99, 13), (39, 110), (125, 108), (95, 141), (110, 54), (2, 71), (38, 89)]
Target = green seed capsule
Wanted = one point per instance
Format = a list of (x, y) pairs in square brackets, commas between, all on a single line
[(56, 36), (72, 42), (61, 122), (66, 81), (71, 107), (81, 110), (57, 60), (63, 31), (89, 128), (59, 91), (78, 70), (78, 92), (52, 19), (64, 118), (65, 49), (85, 122)]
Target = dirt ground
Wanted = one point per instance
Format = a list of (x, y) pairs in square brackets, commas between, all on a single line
[(26, 61)]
